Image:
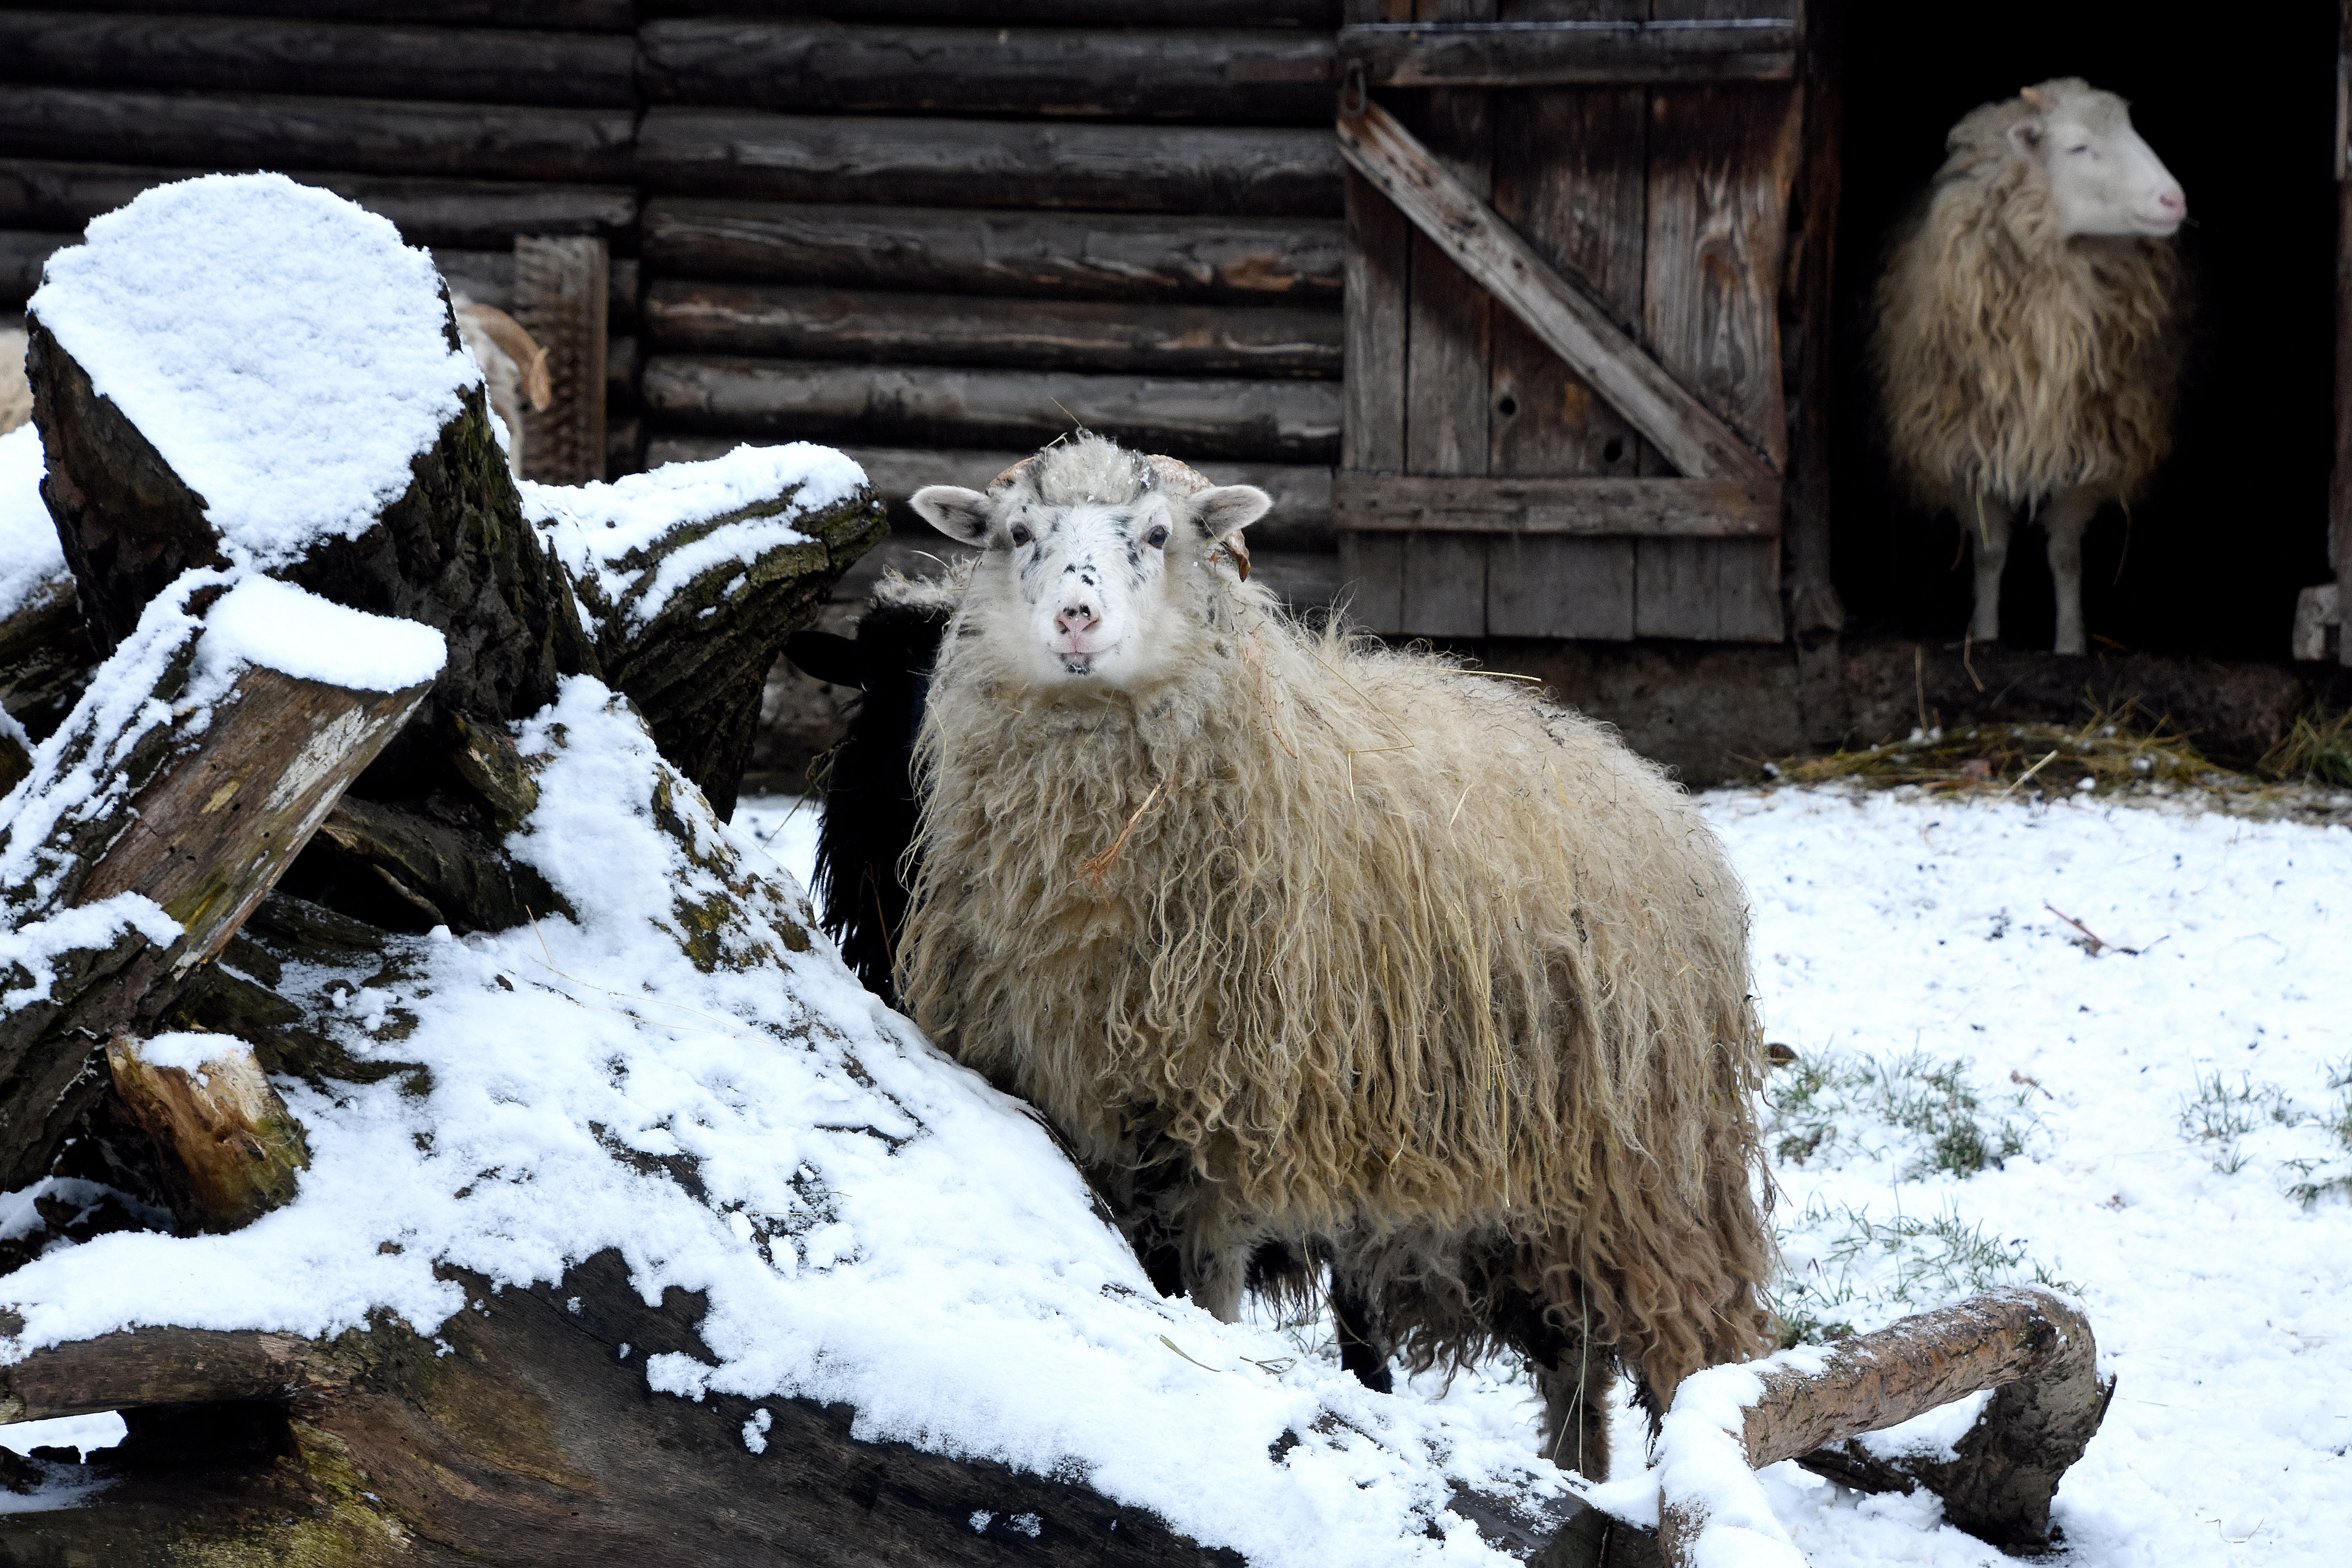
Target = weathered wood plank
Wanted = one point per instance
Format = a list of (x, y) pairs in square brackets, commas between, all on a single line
[(1569, 177), (1807, 349), (1652, 509), (596, 15), (1378, 241), (40, 194), (1690, 435), (561, 295), (1246, 171), (242, 54), (973, 251), (364, 135), (1258, 75), (1268, 421), (1721, 163), (1544, 54), (947, 329)]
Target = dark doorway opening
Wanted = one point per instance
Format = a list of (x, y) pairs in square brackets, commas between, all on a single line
[(2243, 117)]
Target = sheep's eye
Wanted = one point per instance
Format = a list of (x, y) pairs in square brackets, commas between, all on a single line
[(2083, 148), (1158, 536), (1021, 534)]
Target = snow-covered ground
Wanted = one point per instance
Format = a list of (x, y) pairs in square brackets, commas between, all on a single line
[(2141, 1119)]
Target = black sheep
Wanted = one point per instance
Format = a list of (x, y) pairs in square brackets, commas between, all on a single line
[(869, 795)]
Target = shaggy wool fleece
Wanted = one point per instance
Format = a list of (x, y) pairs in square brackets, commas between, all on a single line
[(1395, 961), (2014, 362)]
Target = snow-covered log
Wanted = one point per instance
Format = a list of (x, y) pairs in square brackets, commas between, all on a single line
[(2035, 1350)]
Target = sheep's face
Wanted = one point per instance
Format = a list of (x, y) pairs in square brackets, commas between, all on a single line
[(1090, 591), (2104, 180)]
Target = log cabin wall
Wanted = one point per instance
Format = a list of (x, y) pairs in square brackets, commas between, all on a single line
[(467, 122), (939, 233)]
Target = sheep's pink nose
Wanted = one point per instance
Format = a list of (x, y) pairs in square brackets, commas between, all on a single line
[(2172, 202), (1076, 616)]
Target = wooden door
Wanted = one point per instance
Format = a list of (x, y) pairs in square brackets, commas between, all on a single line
[(1566, 222)]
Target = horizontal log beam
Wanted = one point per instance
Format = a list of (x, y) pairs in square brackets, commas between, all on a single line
[(1638, 508), (1033, 334), (159, 1365), (1259, 76), (42, 194), (1557, 54), (596, 15), (1299, 521), (1481, 244), (1320, 14), (973, 251), (1268, 421), (265, 54), (364, 135), (1246, 171)]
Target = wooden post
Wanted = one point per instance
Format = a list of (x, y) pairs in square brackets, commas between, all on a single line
[(2340, 496), (559, 297)]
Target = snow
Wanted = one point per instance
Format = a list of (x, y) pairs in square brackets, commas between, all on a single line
[(29, 552), (285, 354), (895, 1235), (262, 621), (747, 499)]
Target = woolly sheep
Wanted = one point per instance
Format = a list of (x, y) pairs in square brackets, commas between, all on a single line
[(2028, 331), (514, 367), (1313, 951)]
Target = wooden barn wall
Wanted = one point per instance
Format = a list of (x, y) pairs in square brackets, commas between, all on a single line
[(933, 232)]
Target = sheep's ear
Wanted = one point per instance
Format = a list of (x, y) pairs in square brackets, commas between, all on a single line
[(1229, 509), (958, 513), (2026, 137), (823, 655)]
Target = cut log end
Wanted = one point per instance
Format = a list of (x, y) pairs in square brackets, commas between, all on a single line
[(231, 1150)]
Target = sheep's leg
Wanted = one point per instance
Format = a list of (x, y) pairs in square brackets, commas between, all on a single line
[(2067, 516), (1214, 1282), (1574, 1372), (1988, 522), (1361, 1349)]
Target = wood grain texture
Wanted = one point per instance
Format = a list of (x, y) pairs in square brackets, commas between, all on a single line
[(1807, 314), (37, 194), (1317, 14), (1248, 172), (1559, 53), (1378, 247), (1690, 435), (948, 329), (1259, 77), (561, 297), (246, 54), (595, 16), (1672, 509), (362, 135), (1095, 256), (1267, 421)]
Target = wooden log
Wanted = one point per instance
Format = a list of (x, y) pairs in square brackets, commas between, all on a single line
[(202, 803), (947, 250), (1554, 54), (561, 295), (1259, 76), (596, 15), (364, 135), (232, 1151), (1674, 509), (946, 329), (452, 553), (46, 655), (520, 1429), (1469, 232), (2035, 1350), (1264, 421), (488, 278), (694, 655), (244, 55), (1246, 172), (1316, 14)]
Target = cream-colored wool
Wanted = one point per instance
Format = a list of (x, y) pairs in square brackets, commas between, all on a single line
[(1391, 958), (16, 392), (2014, 362)]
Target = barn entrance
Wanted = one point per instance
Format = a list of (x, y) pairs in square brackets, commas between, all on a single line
[(2244, 119)]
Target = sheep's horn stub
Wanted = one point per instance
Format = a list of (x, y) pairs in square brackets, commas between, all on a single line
[(2037, 98)]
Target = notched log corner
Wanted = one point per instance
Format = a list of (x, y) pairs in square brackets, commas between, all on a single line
[(230, 1150)]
